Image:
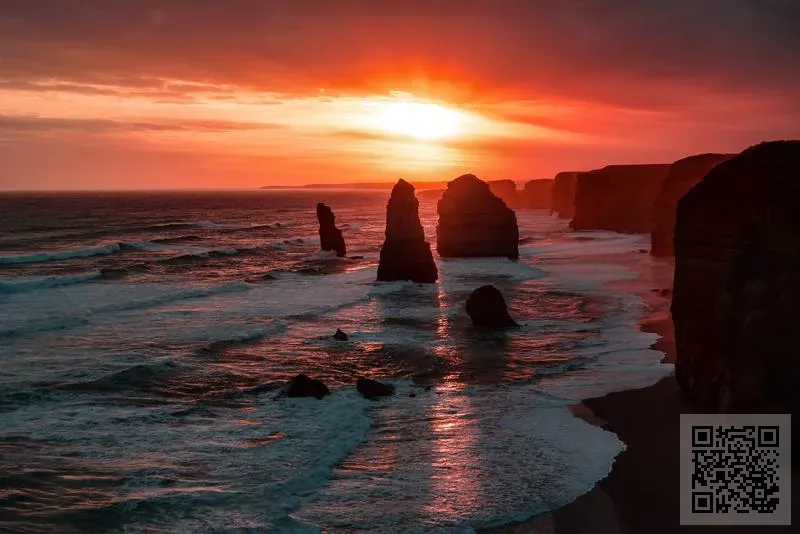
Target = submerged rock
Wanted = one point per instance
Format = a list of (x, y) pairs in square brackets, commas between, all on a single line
[(619, 198), (473, 222), (405, 254), (737, 284), (373, 389), (487, 307), (340, 336), (330, 237), (304, 386), (563, 196), (683, 175), (537, 194)]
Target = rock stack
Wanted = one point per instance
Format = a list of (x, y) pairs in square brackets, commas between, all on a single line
[(505, 190), (487, 307), (537, 194), (737, 284), (330, 237), (405, 254), (473, 222), (683, 175), (563, 197), (620, 198)]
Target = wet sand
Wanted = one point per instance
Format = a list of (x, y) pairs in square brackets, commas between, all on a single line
[(641, 495)]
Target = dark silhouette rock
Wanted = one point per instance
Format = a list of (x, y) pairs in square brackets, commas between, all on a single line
[(682, 176), (372, 389), (537, 194), (340, 336), (405, 254), (330, 237), (473, 222), (619, 198), (505, 190), (737, 284), (304, 386), (487, 307), (563, 197)]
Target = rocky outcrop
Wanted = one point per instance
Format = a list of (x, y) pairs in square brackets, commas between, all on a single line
[(330, 237), (682, 176), (340, 336), (537, 194), (405, 254), (372, 389), (737, 284), (304, 386), (505, 190), (487, 307), (473, 222), (619, 198), (563, 196)]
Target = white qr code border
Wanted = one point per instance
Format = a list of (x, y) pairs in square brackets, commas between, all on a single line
[(735, 469)]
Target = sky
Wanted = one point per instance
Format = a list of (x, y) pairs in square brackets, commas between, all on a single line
[(115, 94)]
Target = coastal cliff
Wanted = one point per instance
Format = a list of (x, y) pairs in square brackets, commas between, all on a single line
[(619, 198), (563, 195)]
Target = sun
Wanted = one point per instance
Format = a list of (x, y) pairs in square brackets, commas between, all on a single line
[(419, 120)]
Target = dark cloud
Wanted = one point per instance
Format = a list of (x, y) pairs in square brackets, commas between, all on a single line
[(602, 49)]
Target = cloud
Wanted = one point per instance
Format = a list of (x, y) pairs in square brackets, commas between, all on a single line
[(36, 124)]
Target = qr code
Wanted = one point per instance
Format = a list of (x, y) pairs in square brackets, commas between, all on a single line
[(735, 469)]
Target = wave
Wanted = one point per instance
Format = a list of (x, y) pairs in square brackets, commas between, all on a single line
[(146, 377), (247, 337), (61, 254), (178, 239), (65, 322), (24, 284)]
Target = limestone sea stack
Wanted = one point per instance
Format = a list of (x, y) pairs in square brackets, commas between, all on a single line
[(487, 307), (620, 198), (405, 254), (505, 190), (737, 284), (563, 196), (537, 194), (330, 237), (473, 222), (683, 175)]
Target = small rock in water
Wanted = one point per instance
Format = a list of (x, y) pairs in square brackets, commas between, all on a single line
[(486, 307), (339, 335), (412, 395), (665, 292), (372, 389), (642, 251), (304, 386)]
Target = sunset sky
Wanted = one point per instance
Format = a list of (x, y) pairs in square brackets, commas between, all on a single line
[(121, 94)]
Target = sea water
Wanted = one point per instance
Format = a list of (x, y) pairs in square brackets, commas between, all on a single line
[(144, 338)]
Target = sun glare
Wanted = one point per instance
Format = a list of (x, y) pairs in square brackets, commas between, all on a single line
[(416, 119)]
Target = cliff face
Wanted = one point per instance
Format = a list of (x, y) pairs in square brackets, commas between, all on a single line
[(737, 283), (473, 222), (563, 196), (537, 194), (405, 254), (330, 237), (683, 175), (620, 198), (505, 190)]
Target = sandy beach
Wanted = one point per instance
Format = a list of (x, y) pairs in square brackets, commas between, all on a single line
[(641, 495)]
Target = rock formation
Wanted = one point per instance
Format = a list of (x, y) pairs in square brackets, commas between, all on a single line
[(487, 307), (304, 386), (563, 197), (737, 284), (505, 190), (473, 222), (683, 174), (619, 198), (405, 254), (537, 194), (340, 336), (330, 237), (372, 389)]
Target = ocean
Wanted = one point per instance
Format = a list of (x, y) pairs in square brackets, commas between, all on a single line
[(144, 338)]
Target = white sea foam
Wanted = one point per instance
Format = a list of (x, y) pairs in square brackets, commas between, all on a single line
[(21, 284), (55, 255)]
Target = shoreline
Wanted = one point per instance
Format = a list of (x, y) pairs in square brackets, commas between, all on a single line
[(641, 493)]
